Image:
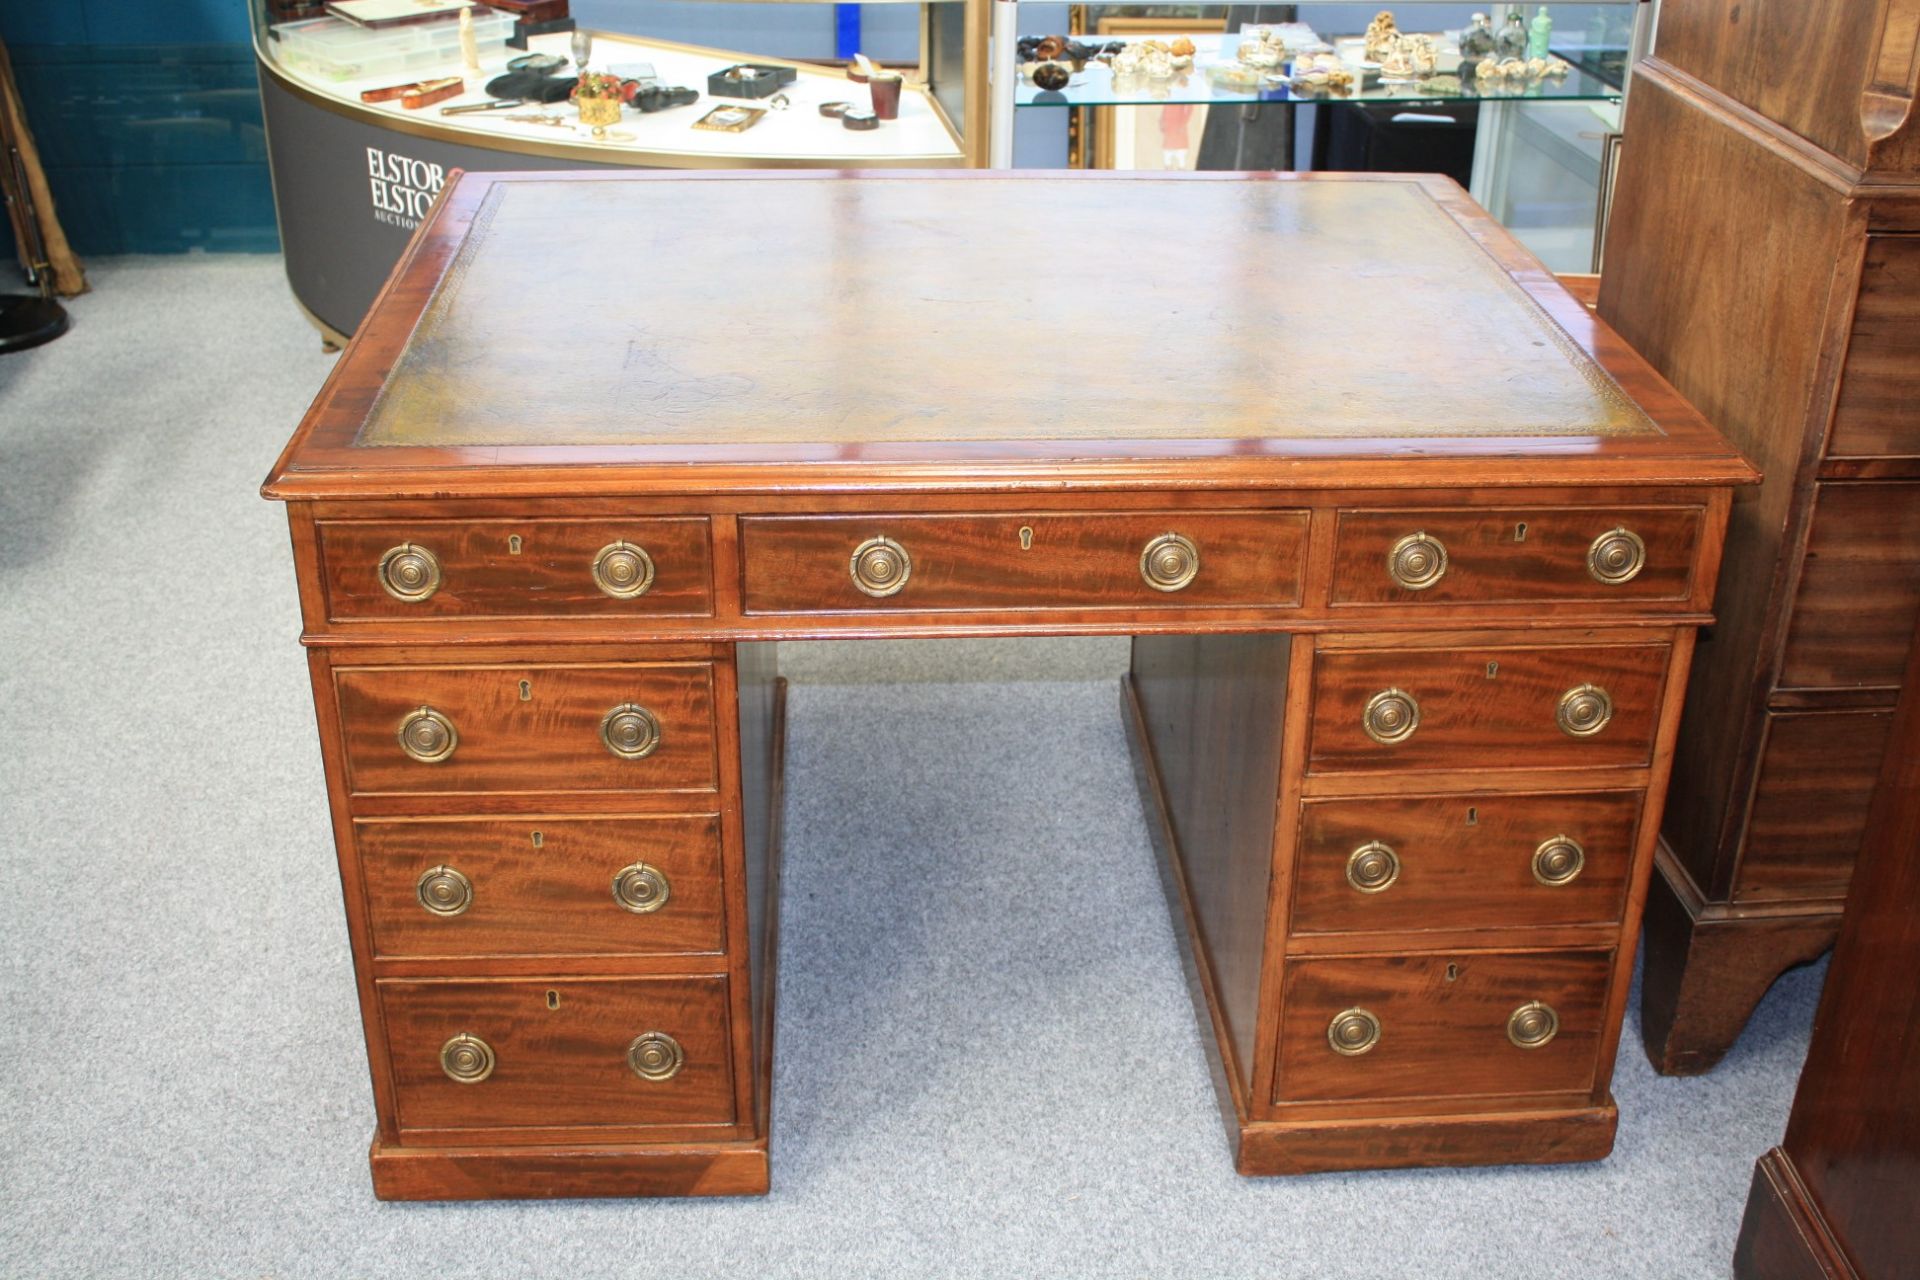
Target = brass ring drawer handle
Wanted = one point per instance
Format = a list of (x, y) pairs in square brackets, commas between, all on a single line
[(1617, 556), (641, 889), (655, 1055), (1169, 562), (444, 891), (1532, 1025), (1390, 716), (623, 570), (1558, 861), (1417, 561), (1353, 1032), (428, 736), (630, 731), (880, 567), (467, 1059), (1372, 867), (409, 572), (1584, 711)]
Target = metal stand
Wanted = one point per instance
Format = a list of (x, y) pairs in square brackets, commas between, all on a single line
[(27, 321)]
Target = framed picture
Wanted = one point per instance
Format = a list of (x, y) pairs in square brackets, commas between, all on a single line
[(1161, 136)]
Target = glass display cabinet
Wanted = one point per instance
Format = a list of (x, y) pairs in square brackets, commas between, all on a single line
[(1266, 86), (369, 104)]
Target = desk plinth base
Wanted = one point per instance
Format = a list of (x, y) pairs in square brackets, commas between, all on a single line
[(549, 1173), (1327, 1145)]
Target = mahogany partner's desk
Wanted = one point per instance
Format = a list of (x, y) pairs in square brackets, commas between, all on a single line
[(1412, 547)]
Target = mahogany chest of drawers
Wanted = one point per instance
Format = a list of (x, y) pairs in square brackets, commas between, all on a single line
[(1410, 638), (1791, 316)]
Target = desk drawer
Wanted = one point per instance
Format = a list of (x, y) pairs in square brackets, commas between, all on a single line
[(516, 568), (1515, 555), (543, 886), (1196, 559), (1490, 707), (531, 728), (1463, 862), (554, 1052), (1437, 1026)]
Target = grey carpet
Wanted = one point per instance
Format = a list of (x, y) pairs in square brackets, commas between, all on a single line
[(988, 1065)]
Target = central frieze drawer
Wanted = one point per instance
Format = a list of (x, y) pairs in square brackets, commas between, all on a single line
[(1463, 862), (613, 727), (558, 1052), (1515, 555), (1474, 707), (1124, 560), (1435, 1026), (424, 569), (543, 886)]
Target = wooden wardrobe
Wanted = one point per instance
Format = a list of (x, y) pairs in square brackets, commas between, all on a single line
[(1764, 254)]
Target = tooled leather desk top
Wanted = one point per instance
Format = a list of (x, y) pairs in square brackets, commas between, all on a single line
[(673, 318)]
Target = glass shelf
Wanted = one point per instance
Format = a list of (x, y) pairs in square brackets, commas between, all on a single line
[(1097, 86)]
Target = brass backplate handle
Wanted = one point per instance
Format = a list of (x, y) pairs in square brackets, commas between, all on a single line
[(427, 736), (630, 731), (1372, 867), (655, 1055), (1532, 1025), (1584, 711), (1353, 1032), (880, 567), (444, 891), (1390, 716), (1169, 562), (467, 1059), (1417, 561), (640, 888), (410, 572), (1617, 556), (1558, 860), (623, 570)]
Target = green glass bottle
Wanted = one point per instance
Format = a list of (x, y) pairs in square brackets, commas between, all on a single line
[(1539, 34)]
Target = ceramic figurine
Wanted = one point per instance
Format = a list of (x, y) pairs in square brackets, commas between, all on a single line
[(1380, 34)]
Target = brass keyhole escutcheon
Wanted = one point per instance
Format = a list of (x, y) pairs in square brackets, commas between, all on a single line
[(1353, 1032), (623, 570), (1558, 861), (1169, 562), (655, 1055), (1453, 973), (1417, 561), (641, 889), (1532, 1025), (513, 544), (880, 567), (1520, 531), (427, 736), (444, 891), (630, 731), (526, 691), (1390, 716), (1616, 556), (1026, 537), (1372, 867), (553, 1000), (1584, 711), (410, 573), (467, 1059)]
